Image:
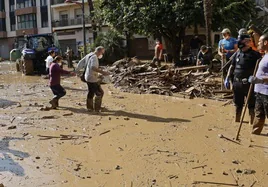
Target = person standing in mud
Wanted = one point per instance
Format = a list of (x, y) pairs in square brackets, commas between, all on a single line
[(69, 54), (158, 52), (226, 48), (91, 63), (261, 87), (55, 72), (49, 59), (242, 67)]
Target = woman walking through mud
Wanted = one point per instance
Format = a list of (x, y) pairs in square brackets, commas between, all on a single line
[(55, 72)]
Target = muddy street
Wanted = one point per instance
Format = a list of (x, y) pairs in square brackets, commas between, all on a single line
[(137, 140)]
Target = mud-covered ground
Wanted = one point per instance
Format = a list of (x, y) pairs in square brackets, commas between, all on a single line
[(137, 141)]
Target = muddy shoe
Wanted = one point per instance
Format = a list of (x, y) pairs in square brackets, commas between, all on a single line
[(238, 115), (251, 119), (90, 105), (97, 105), (54, 103)]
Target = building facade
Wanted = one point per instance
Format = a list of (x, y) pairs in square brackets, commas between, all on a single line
[(67, 23), (19, 17)]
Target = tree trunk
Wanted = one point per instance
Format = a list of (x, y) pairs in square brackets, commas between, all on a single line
[(94, 25), (173, 44), (208, 17)]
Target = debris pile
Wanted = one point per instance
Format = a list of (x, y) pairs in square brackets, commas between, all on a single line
[(130, 75)]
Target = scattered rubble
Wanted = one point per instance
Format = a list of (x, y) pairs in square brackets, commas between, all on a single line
[(130, 75)]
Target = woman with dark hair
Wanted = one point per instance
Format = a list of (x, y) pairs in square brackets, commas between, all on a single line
[(55, 72)]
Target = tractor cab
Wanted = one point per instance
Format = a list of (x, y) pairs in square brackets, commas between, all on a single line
[(34, 50)]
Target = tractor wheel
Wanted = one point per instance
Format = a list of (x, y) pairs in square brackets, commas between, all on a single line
[(28, 68)]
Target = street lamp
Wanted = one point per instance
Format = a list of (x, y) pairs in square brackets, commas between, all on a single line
[(82, 5)]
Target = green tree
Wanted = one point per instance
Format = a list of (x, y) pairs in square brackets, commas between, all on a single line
[(232, 14), (170, 18), (112, 41), (207, 4)]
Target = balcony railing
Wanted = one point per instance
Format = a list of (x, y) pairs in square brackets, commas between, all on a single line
[(55, 2), (69, 22)]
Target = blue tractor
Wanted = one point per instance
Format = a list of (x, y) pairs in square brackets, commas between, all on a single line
[(33, 51)]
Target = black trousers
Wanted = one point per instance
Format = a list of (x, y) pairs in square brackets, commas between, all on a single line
[(94, 89), (240, 94), (58, 91)]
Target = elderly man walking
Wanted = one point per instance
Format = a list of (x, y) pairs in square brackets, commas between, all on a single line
[(91, 64)]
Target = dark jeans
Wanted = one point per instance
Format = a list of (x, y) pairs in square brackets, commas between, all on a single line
[(94, 89), (261, 112), (58, 91), (155, 59), (240, 94), (47, 71)]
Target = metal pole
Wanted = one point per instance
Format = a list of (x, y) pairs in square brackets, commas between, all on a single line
[(84, 29)]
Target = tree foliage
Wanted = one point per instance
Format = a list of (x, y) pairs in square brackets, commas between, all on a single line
[(170, 18), (112, 41)]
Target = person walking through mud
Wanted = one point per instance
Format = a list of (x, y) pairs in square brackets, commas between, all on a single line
[(55, 72), (49, 59), (242, 67), (261, 88), (91, 63), (158, 52)]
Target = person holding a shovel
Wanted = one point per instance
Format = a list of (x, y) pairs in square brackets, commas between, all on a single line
[(242, 67), (261, 88)]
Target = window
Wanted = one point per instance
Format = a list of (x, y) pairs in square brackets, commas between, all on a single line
[(44, 16), (27, 21), (78, 13), (2, 5), (43, 2), (25, 3), (2, 24), (12, 21), (63, 15)]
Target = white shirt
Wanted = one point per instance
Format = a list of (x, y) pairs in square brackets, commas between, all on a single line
[(90, 60), (49, 61)]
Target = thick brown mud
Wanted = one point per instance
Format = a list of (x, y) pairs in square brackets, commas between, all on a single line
[(137, 141)]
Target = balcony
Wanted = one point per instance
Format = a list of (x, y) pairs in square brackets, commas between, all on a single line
[(27, 10), (2, 14), (70, 22), (22, 32), (55, 2), (3, 34)]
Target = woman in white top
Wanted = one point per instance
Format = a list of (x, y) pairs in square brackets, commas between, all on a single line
[(49, 60)]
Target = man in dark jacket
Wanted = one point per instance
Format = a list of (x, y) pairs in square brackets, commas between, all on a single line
[(242, 67)]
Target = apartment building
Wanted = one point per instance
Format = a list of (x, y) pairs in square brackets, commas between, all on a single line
[(22, 16), (67, 23)]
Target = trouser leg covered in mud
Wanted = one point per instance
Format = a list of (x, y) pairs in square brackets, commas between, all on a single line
[(58, 92), (261, 112), (94, 89)]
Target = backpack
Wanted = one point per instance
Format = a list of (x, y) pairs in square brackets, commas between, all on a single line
[(82, 77)]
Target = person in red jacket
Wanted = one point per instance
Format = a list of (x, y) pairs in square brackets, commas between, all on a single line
[(158, 52), (55, 72)]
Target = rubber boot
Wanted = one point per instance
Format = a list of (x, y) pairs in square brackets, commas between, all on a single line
[(90, 105), (54, 103), (97, 104), (238, 113), (251, 116)]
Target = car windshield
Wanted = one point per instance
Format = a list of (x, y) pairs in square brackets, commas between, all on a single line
[(39, 43)]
